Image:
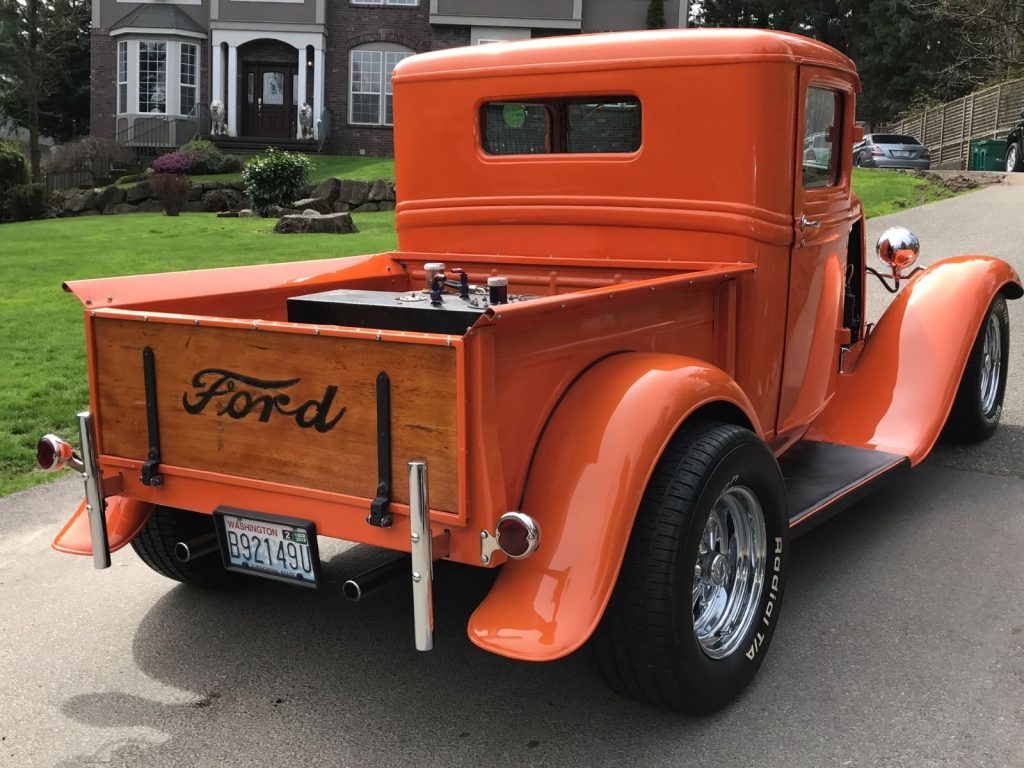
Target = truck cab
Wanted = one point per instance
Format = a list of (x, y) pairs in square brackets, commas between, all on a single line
[(620, 353)]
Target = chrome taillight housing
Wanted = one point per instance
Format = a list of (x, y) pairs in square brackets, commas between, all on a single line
[(54, 454)]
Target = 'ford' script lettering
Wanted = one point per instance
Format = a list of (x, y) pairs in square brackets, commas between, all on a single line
[(224, 389)]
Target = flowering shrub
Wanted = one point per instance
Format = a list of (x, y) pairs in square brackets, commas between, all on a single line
[(275, 178), (174, 162), (173, 190)]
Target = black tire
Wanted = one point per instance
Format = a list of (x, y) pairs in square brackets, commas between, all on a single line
[(647, 644), (154, 544), (856, 160), (976, 409), (1014, 157)]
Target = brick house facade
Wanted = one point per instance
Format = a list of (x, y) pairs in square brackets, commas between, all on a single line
[(158, 64)]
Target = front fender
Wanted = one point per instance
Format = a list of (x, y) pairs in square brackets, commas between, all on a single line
[(587, 477), (900, 392), (125, 518)]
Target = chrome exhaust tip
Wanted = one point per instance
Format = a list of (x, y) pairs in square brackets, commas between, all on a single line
[(187, 551), (368, 582)]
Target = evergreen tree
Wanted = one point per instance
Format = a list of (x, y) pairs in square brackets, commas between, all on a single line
[(656, 14)]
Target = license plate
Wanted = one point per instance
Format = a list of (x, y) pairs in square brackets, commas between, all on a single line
[(902, 153), (272, 547)]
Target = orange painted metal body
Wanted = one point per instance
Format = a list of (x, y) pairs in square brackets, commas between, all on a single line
[(670, 280)]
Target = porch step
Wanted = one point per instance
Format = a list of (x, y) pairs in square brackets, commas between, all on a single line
[(250, 144), (824, 478)]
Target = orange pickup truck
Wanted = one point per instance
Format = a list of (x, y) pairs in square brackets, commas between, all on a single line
[(624, 333)]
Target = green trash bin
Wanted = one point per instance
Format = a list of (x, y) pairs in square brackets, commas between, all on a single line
[(988, 155)]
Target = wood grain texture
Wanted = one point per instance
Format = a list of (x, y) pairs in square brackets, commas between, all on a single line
[(249, 429)]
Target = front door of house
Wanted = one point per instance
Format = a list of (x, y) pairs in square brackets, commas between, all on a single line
[(269, 100)]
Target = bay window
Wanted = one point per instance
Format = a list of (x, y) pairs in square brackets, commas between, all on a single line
[(152, 78), (158, 77), (188, 79), (122, 78)]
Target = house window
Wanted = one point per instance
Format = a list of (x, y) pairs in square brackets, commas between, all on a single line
[(189, 79), (122, 78), (386, 2), (152, 78), (370, 94)]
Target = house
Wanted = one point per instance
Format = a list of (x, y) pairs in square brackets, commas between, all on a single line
[(157, 65)]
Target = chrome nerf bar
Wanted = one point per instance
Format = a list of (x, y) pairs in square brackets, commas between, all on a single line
[(95, 504), (422, 556)]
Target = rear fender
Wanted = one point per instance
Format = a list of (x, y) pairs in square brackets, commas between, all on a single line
[(125, 518), (587, 477), (900, 392)]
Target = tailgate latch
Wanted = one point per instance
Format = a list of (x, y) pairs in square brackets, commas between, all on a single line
[(380, 507), (151, 467)]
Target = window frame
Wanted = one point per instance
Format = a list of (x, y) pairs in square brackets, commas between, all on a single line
[(194, 85), (395, 3), (381, 83), (157, 44), (122, 77)]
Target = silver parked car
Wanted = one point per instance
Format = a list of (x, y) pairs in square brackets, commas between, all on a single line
[(891, 150)]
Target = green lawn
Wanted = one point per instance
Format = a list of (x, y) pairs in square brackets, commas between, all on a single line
[(884, 192), (43, 376), (338, 166)]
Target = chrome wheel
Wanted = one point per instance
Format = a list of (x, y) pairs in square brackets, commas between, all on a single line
[(729, 573), (991, 364), (1011, 158)]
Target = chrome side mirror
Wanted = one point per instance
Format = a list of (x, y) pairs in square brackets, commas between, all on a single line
[(898, 249)]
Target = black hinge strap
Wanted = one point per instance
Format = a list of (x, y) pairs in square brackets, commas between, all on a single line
[(380, 513), (151, 467)]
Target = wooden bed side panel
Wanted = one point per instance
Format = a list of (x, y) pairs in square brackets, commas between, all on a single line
[(291, 408)]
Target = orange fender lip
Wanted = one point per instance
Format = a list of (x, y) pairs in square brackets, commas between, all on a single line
[(588, 475), (125, 518), (898, 396)]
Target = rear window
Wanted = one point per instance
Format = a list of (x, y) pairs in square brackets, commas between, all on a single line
[(892, 138), (561, 126)]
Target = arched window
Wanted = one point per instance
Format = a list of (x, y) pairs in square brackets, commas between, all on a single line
[(369, 82)]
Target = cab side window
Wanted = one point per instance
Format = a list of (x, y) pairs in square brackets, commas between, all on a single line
[(821, 138)]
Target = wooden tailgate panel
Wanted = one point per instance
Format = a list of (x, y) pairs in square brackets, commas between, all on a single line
[(288, 408)]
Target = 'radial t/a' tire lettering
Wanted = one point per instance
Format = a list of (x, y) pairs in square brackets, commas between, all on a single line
[(700, 590)]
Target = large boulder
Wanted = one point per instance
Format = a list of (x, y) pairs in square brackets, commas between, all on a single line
[(328, 190), (109, 197), (80, 200), (150, 206), (354, 191), (379, 191), (120, 208), (318, 204), (332, 223), (138, 193)]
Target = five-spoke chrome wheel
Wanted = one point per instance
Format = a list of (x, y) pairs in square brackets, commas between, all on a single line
[(1011, 158), (729, 573), (991, 364)]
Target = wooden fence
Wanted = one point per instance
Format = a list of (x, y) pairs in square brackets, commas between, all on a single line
[(947, 130)]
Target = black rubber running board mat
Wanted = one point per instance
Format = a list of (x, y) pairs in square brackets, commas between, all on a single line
[(825, 478)]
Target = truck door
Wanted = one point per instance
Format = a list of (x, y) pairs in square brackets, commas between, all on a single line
[(822, 219)]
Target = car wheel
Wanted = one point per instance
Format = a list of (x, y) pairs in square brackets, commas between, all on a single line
[(979, 399), (700, 590), (155, 544), (1014, 161), (856, 160)]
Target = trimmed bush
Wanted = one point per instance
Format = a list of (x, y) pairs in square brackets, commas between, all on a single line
[(230, 164), (27, 201), (173, 190), (174, 162), (13, 168), (275, 178)]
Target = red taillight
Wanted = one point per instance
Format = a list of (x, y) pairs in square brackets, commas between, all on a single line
[(52, 453), (876, 152), (517, 534), (926, 155)]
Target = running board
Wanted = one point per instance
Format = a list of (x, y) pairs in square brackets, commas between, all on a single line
[(823, 479)]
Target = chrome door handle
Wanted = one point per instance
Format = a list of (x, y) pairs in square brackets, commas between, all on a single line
[(806, 223)]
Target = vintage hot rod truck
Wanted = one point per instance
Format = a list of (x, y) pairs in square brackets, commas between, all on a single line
[(624, 332)]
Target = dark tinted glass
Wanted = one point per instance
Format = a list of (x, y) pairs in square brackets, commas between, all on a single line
[(892, 138), (560, 126)]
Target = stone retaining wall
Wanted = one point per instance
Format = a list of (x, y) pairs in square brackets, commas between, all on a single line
[(328, 196)]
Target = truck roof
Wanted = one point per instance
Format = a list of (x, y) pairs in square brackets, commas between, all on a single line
[(619, 50)]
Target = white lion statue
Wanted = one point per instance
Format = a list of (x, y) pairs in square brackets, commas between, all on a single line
[(306, 120), (217, 115)]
